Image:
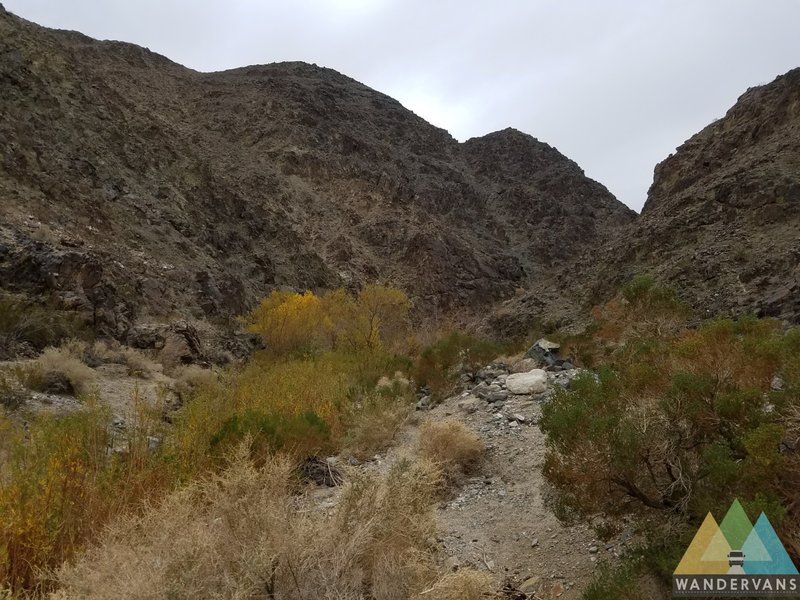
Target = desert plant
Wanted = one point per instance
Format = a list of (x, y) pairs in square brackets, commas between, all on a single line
[(244, 533), (58, 487), (57, 369), (301, 323), (373, 420), (111, 351), (680, 425), (452, 446), (439, 365), (25, 322)]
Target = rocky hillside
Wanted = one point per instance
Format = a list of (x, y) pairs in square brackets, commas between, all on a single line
[(135, 188), (721, 222)]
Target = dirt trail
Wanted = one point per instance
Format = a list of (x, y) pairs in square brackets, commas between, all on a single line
[(498, 521)]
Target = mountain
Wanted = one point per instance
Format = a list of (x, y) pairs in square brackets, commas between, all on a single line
[(134, 188), (721, 223)]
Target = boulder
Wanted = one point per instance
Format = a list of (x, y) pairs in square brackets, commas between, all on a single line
[(532, 382), (544, 351)]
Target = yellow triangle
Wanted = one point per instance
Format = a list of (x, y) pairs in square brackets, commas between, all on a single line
[(708, 544)]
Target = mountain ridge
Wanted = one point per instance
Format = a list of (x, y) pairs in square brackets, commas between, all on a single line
[(136, 189), (200, 192)]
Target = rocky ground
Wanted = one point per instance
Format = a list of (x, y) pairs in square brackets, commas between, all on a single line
[(501, 520)]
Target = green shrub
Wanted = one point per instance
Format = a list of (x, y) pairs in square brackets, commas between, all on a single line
[(440, 364), (24, 322), (305, 433), (621, 582), (680, 425)]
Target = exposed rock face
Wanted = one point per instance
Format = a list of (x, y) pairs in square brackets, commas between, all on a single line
[(132, 187), (721, 223), (722, 218)]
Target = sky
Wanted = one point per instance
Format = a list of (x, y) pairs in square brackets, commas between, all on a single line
[(615, 85)]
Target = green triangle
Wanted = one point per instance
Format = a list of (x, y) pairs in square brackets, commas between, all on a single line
[(736, 526)]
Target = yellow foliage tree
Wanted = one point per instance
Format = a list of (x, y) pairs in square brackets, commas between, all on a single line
[(289, 321)]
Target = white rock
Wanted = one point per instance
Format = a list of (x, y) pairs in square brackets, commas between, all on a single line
[(532, 382)]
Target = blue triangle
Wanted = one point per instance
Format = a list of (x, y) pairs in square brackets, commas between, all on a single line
[(780, 564)]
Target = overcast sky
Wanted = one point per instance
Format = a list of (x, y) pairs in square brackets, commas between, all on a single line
[(615, 85)]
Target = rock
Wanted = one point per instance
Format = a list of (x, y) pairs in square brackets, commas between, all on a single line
[(494, 397), (544, 351), (424, 403), (492, 372), (469, 405), (147, 336), (567, 365), (776, 385), (483, 391), (532, 382), (181, 346), (520, 418), (593, 550), (534, 542)]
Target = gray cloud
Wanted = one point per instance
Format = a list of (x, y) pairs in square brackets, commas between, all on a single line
[(614, 85)]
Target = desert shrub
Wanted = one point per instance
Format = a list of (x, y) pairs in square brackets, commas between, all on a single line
[(440, 364), (622, 581), (680, 425), (190, 379), (64, 363), (380, 318), (244, 533), (111, 351), (11, 396), (466, 584), (282, 391), (302, 434), (452, 446), (288, 322), (643, 308), (58, 487), (24, 322), (373, 420)]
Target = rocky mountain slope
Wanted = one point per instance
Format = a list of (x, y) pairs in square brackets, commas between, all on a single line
[(133, 187), (721, 222)]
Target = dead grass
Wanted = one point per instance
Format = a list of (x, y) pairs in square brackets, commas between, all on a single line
[(374, 419), (113, 352), (452, 446), (247, 534), (64, 361), (466, 584), (191, 378)]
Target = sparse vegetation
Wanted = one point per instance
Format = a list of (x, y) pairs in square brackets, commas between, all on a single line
[(677, 422), (440, 364), (24, 323), (60, 486), (59, 370), (239, 534), (111, 351), (452, 446), (300, 323)]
